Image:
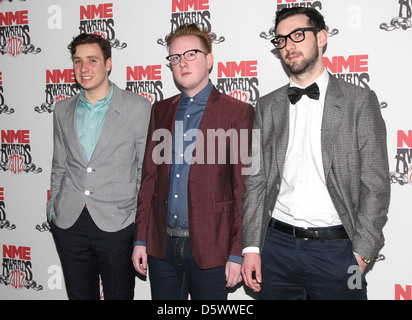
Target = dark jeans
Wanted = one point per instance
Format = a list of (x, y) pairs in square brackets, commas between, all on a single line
[(85, 251), (315, 269), (177, 275)]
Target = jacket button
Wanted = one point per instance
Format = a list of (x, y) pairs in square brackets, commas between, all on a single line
[(165, 202)]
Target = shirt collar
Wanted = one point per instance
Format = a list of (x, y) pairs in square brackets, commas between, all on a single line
[(203, 95), (99, 103)]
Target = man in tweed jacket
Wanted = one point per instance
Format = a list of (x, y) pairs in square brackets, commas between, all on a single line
[(314, 212)]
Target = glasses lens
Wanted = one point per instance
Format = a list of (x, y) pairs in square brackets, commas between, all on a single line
[(297, 36), (279, 42), (190, 55)]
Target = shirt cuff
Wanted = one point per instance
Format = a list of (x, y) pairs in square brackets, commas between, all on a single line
[(139, 243), (235, 259), (250, 250)]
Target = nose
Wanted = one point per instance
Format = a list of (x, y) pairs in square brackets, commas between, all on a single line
[(183, 61), (290, 45), (84, 67)]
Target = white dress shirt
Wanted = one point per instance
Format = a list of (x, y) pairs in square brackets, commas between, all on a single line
[(303, 199)]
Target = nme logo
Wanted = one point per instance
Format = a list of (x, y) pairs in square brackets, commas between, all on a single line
[(239, 80), (403, 169), (15, 152), (295, 3), (60, 85), (186, 5), (99, 19), (15, 33), (17, 268), (3, 107), (191, 11), (145, 81), (353, 69), (4, 223), (403, 294)]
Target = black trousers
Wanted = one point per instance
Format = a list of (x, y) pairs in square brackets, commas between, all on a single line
[(86, 252), (296, 269)]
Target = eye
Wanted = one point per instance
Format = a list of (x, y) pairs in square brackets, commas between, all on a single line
[(280, 40), (298, 35), (174, 58), (190, 54)]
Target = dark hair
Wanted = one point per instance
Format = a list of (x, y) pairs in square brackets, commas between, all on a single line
[(315, 17), (192, 29), (87, 38)]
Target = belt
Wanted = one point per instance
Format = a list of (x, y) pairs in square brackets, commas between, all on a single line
[(335, 232), (177, 232)]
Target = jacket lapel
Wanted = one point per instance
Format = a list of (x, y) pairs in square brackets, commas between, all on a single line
[(280, 116), (332, 114), (169, 123), (111, 122), (74, 137)]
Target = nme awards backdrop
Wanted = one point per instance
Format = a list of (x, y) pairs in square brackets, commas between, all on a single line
[(369, 45)]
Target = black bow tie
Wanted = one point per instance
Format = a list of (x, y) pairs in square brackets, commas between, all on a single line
[(295, 93)]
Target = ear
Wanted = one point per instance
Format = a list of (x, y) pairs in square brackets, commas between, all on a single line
[(209, 61), (108, 64), (322, 38)]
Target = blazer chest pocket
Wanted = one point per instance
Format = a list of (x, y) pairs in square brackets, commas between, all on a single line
[(223, 206)]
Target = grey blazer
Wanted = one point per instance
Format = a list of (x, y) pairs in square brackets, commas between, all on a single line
[(108, 184), (355, 164)]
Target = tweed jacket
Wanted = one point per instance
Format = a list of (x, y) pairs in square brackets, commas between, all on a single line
[(355, 164)]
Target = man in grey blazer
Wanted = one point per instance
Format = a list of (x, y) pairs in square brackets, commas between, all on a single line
[(313, 213), (99, 141)]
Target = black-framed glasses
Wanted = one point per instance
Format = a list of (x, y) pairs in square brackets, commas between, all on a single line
[(297, 35), (189, 55)]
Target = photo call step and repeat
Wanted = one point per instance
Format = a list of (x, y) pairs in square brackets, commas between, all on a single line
[(369, 45)]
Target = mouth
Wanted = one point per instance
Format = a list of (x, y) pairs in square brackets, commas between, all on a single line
[(85, 78), (293, 56)]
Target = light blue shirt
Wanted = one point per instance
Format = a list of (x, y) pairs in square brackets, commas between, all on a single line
[(90, 119)]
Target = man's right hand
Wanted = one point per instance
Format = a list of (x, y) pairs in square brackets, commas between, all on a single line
[(251, 271), (139, 258)]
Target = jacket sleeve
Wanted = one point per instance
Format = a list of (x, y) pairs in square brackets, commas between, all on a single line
[(58, 170)]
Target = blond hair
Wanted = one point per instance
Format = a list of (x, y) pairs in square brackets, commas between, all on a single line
[(191, 29)]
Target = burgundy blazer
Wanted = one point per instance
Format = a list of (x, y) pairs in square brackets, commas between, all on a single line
[(215, 189)]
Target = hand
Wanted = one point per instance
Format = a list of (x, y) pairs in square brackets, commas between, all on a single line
[(233, 275), (252, 265), (139, 258), (361, 264)]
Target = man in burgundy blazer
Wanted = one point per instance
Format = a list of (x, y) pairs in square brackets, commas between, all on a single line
[(200, 257)]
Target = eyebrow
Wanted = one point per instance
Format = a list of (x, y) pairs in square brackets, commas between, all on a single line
[(88, 57)]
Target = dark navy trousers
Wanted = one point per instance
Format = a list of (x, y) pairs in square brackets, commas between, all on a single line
[(297, 269), (177, 275), (86, 252)]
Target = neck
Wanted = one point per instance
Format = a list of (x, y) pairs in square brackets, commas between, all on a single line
[(308, 77), (191, 92), (99, 93)]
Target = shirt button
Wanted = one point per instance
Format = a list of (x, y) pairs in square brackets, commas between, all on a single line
[(181, 155), (188, 116), (177, 175), (176, 196), (87, 192), (89, 169)]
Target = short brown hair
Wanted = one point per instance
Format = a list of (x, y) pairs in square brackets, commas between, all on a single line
[(191, 29), (86, 38)]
